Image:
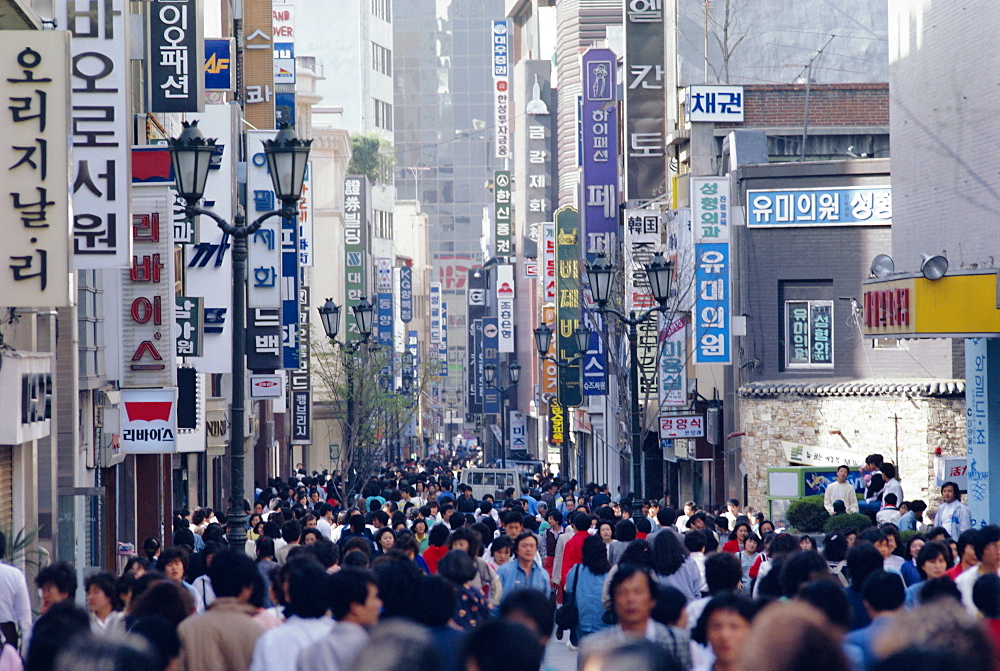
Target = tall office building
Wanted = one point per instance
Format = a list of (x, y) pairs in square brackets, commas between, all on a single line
[(444, 139)]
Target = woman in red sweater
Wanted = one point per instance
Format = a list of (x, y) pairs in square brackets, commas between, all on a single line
[(736, 538), (438, 547)]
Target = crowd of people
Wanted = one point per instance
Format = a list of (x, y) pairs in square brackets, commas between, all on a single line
[(415, 572)]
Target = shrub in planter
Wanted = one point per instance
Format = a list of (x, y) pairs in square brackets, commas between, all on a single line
[(846, 521), (807, 514)]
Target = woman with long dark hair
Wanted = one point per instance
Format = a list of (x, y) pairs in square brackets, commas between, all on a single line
[(585, 581), (736, 538), (672, 566)]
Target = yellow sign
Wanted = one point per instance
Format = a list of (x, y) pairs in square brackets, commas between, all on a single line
[(955, 306)]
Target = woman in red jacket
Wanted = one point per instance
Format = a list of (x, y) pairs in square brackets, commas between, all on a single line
[(736, 538), (437, 548)]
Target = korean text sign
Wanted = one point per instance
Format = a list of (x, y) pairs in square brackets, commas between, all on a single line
[(176, 56), (100, 113), (36, 219), (710, 226), (645, 105), (600, 151), (682, 426), (850, 206)]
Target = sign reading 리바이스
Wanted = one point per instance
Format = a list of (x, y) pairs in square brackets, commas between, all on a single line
[(720, 104), (176, 50), (149, 421), (849, 206)]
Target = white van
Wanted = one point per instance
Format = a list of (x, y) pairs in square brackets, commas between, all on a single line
[(492, 481)]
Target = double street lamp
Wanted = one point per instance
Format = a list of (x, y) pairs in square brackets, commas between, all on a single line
[(659, 272), (543, 340), (490, 377), (287, 161)]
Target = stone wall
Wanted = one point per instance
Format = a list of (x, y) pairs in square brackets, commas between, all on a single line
[(867, 425)]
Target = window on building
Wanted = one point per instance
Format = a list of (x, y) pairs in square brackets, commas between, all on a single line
[(382, 9), (383, 114), (383, 225), (381, 59), (808, 334)]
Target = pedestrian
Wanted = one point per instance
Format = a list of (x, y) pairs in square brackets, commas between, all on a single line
[(355, 605), (56, 582), (953, 515), (437, 548), (736, 538), (841, 490), (15, 604), (585, 582), (471, 606), (932, 563), (106, 617), (223, 637), (523, 572), (174, 563), (503, 646), (306, 620), (883, 595), (724, 630), (672, 566)]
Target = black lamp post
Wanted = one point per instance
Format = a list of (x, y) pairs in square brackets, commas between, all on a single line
[(543, 339), (288, 158), (490, 376), (659, 272), (364, 316)]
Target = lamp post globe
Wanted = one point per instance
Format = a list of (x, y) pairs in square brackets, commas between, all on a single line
[(191, 156), (582, 336), (287, 161), (364, 314), (660, 273), (489, 373), (599, 273), (514, 370), (543, 339), (329, 314)]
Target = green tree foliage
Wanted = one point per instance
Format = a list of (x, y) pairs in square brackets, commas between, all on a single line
[(847, 521), (807, 514), (371, 155)]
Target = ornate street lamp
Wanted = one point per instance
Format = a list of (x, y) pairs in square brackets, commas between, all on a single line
[(191, 157)]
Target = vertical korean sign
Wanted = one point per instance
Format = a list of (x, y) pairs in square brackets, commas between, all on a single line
[(258, 63), (645, 105), (100, 171), (356, 203), (533, 153), (299, 380), (383, 282), (491, 397), (147, 300), (36, 213), (443, 345), (568, 304), (501, 88), (264, 246), (505, 306), (435, 309), (306, 220), (600, 152), (176, 55), (476, 310), (673, 364), (642, 241), (710, 224), (406, 294), (501, 214)]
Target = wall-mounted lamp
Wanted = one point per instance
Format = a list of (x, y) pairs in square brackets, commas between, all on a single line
[(933, 267), (882, 266)]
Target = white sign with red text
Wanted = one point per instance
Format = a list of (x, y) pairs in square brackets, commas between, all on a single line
[(682, 426)]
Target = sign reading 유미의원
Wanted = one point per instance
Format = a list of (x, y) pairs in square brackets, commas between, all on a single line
[(719, 104), (850, 206)]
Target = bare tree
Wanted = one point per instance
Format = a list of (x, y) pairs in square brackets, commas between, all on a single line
[(369, 410), (731, 24)]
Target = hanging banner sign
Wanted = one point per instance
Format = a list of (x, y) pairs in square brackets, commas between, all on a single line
[(357, 214), (299, 383), (642, 241), (189, 314), (263, 339), (264, 263), (149, 421), (710, 225), (406, 294), (595, 361), (568, 312), (435, 310), (501, 88), (599, 191), (501, 214), (505, 306), (176, 50), (219, 65), (557, 423), (673, 364), (491, 397), (645, 105)]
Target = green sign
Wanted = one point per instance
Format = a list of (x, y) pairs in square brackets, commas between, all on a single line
[(501, 213), (189, 316), (568, 295), (356, 204)]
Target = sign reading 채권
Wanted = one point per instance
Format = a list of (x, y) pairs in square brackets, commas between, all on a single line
[(600, 151), (719, 104), (147, 298), (406, 294), (100, 169), (568, 312), (501, 214), (645, 105), (299, 383), (501, 87), (356, 217), (149, 421), (264, 263), (176, 52), (849, 206), (36, 220)]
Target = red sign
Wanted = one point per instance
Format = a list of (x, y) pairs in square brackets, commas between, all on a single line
[(682, 426), (148, 411), (887, 307)]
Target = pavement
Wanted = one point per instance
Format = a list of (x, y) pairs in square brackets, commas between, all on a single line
[(558, 657)]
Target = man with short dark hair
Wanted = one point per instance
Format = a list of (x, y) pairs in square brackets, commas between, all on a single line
[(841, 490), (987, 544), (291, 531), (890, 511), (466, 502), (953, 515), (633, 597), (883, 596), (354, 601), (224, 636), (306, 623), (56, 583)]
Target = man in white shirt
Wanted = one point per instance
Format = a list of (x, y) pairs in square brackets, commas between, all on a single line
[(953, 515), (889, 513), (841, 490), (892, 485), (987, 546), (15, 604), (356, 606), (325, 520), (732, 512)]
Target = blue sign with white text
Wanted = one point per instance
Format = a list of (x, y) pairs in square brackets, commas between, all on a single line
[(712, 343), (855, 206)]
